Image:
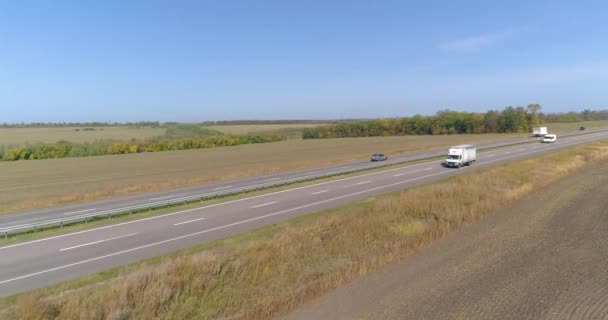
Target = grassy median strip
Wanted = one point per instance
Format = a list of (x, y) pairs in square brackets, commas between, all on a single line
[(259, 274)]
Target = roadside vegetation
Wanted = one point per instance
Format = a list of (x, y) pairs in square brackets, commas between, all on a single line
[(176, 137), (258, 275)]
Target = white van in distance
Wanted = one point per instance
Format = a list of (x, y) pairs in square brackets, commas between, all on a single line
[(549, 138)]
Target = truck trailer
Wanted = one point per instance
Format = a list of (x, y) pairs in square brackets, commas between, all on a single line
[(540, 131), (459, 156)]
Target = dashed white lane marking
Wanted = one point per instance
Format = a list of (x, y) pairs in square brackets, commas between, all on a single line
[(319, 192), (96, 242), (193, 220), (264, 204)]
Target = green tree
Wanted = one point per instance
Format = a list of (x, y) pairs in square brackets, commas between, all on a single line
[(533, 110), (490, 121)]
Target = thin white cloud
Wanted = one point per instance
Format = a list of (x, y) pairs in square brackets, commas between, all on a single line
[(480, 41)]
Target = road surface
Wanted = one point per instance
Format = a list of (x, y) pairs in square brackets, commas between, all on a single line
[(41, 262), (543, 257), (39, 215)]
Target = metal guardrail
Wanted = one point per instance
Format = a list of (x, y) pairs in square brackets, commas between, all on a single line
[(185, 200), (60, 222)]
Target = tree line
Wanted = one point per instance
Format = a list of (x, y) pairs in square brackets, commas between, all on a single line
[(585, 115), (509, 120), (63, 149)]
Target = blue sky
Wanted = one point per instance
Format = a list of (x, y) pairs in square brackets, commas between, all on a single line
[(212, 60)]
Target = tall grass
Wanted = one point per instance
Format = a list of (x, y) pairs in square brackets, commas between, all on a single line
[(261, 274)]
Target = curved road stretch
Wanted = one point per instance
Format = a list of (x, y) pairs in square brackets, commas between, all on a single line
[(40, 215), (41, 262)]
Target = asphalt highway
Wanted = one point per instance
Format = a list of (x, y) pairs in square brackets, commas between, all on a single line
[(37, 263), (39, 215)]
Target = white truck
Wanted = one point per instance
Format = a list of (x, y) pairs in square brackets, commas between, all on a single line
[(540, 131), (459, 156)]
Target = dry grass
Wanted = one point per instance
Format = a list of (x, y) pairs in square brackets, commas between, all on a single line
[(20, 136), (41, 183), (272, 270)]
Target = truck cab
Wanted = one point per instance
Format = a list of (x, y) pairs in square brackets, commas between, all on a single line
[(454, 160)]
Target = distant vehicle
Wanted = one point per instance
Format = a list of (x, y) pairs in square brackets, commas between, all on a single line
[(539, 131), (459, 156), (582, 128), (548, 138), (378, 157)]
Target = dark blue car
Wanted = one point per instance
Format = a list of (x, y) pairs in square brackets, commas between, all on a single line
[(378, 157)]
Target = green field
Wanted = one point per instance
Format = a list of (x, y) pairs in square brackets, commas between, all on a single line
[(260, 128), (20, 136), (41, 183)]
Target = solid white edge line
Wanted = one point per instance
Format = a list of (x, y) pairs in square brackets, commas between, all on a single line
[(264, 204), (79, 211), (222, 188), (159, 198), (95, 242), (244, 221), (193, 220), (265, 195)]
